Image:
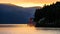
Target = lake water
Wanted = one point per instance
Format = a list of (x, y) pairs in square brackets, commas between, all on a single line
[(24, 29)]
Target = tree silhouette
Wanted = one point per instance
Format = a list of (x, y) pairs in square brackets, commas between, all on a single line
[(51, 13)]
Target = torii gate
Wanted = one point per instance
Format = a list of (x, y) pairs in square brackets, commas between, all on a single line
[(31, 23)]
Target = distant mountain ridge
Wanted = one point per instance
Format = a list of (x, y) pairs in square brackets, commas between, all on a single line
[(12, 14)]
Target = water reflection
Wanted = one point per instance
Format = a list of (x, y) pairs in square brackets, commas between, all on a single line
[(46, 28), (24, 29)]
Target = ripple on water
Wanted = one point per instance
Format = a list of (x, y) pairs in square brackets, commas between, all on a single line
[(24, 29)]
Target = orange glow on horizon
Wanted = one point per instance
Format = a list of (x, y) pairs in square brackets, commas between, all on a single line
[(29, 3)]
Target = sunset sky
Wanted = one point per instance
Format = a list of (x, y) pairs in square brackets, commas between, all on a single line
[(29, 3)]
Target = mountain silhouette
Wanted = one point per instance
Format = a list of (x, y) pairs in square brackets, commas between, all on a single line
[(12, 14)]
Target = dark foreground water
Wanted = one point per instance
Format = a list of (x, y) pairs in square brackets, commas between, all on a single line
[(24, 29)]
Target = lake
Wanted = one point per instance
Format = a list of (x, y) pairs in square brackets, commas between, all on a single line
[(24, 29)]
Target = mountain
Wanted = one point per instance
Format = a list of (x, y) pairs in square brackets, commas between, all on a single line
[(12, 14)]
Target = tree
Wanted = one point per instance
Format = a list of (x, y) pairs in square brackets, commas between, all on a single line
[(51, 13)]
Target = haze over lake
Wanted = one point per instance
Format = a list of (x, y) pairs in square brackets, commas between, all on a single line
[(24, 29)]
